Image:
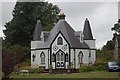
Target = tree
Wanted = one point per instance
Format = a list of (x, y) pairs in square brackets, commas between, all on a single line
[(8, 63), (109, 45), (21, 52), (25, 15), (116, 27)]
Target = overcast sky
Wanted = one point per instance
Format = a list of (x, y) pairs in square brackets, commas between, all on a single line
[(102, 17)]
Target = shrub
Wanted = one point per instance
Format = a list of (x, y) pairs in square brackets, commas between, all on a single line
[(91, 68), (36, 70), (86, 68), (100, 67)]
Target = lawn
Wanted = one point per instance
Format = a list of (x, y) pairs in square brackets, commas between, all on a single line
[(95, 74)]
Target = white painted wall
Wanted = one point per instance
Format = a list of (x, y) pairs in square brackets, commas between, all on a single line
[(93, 56), (85, 57), (86, 60), (37, 61)]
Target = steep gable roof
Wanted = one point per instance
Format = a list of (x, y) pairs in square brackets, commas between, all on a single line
[(87, 31), (68, 32)]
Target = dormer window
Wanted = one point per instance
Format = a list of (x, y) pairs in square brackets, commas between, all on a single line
[(59, 41)]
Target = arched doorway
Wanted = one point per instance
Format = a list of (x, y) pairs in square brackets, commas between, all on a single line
[(60, 59)]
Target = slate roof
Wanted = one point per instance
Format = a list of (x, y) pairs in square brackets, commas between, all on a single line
[(77, 33), (37, 31), (68, 32), (87, 31), (63, 27)]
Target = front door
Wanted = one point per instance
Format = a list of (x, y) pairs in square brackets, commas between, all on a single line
[(60, 59)]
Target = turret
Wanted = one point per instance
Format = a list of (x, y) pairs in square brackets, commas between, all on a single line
[(88, 36), (37, 31)]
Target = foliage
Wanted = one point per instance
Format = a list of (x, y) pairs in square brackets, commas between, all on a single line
[(100, 67), (22, 52), (106, 53), (95, 75), (109, 45), (36, 70), (116, 27), (103, 56), (85, 68), (8, 63), (25, 15)]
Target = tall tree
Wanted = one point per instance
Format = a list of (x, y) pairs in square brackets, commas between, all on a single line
[(109, 45), (25, 15), (116, 27)]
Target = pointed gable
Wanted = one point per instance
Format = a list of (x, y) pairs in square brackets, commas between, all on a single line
[(68, 32), (87, 31), (37, 31)]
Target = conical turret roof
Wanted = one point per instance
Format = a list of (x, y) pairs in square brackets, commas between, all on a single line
[(37, 31), (87, 31)]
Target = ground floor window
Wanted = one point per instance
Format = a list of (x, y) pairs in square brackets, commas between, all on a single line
[(42, 56), (80, 57), (33, 57)]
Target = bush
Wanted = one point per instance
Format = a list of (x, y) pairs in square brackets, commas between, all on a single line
[(91, 68), (100, 68), (86, 68), (36, 70)]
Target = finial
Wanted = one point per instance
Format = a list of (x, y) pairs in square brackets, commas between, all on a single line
[(86, 19), (61, 15), (38, 21)]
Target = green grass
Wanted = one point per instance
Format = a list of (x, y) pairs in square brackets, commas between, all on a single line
[(95, 74)]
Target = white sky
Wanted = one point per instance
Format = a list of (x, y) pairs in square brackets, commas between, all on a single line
[(101, 14)]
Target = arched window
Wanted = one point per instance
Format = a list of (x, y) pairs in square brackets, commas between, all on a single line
[(33, 57), (42, 56), (66, 57), (59, 41), (80, 57)]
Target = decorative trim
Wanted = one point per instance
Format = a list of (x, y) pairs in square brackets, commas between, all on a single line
[(55, 48), (39, 49), (57, 36), (64, 47), (51, 48)]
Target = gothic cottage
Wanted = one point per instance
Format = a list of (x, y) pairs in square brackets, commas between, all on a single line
[(62, 46)]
